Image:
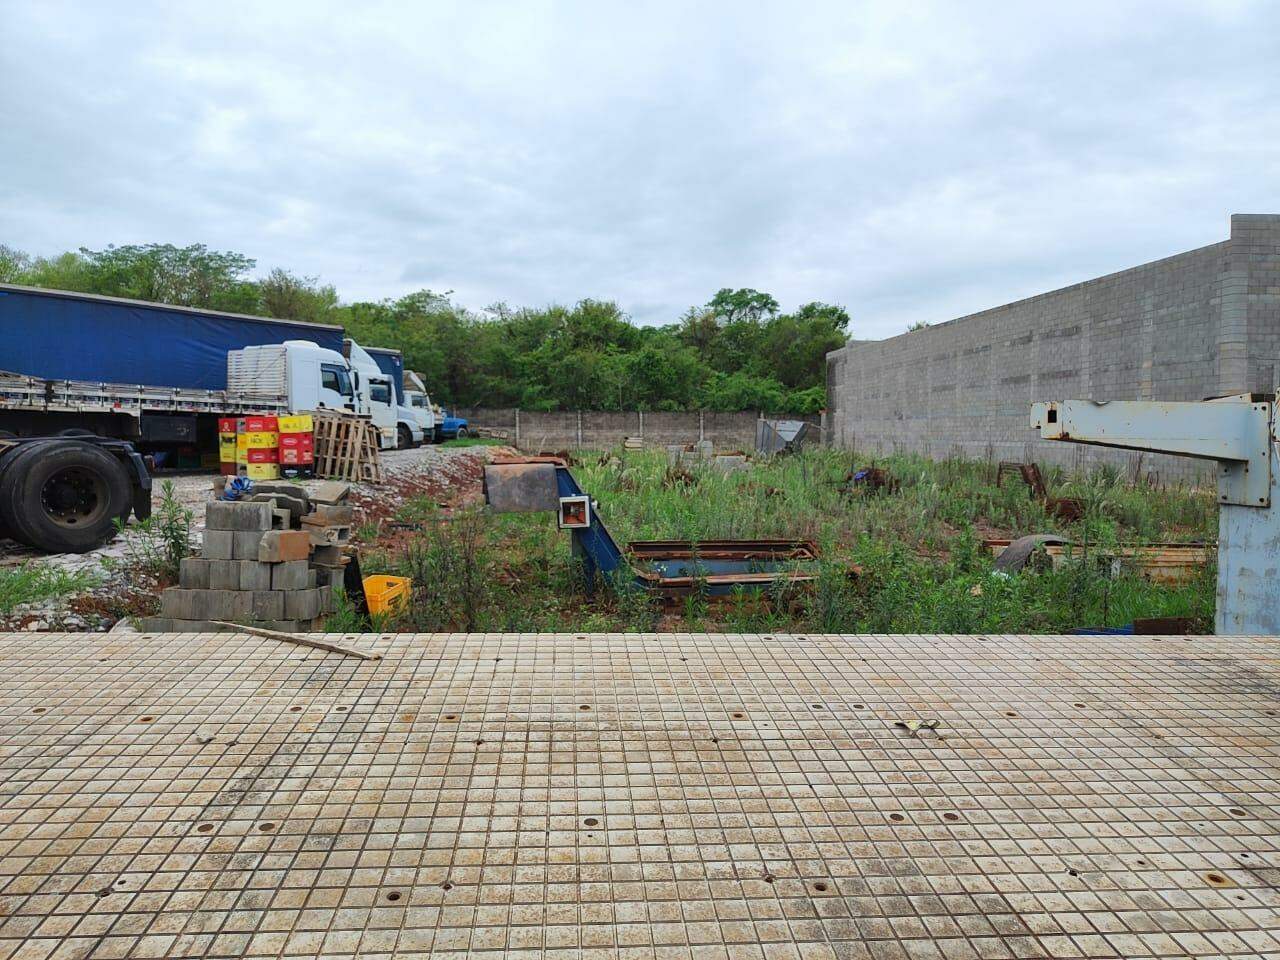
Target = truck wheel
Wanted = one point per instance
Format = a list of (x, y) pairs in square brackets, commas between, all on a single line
[(404, 437), (64, 497), (6, 465), (462, 433), (75, 432)]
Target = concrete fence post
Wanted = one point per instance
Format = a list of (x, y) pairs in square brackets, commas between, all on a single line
[(702, 426), (517, 428), (579, 428), (641, 412)]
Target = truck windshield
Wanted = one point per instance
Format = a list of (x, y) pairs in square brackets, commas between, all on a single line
[(379, 391), (419, 401), (334, 377)]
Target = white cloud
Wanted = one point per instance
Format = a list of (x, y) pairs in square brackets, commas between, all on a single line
[(911, 161)]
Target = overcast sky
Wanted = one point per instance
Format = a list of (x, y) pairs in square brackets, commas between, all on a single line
[(910, 160)]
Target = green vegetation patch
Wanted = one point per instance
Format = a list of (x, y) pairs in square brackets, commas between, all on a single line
[(910, 561), (32, 582), (473, 442)]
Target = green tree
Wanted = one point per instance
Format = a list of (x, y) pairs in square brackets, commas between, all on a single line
[(796, 344), (14, 265), (291, 297), (192, 276), (744, 304), (737, 352), (742, 391)]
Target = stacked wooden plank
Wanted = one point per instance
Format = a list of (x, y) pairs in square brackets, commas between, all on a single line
[(346, 447)]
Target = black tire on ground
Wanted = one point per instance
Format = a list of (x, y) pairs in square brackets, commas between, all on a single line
[(462, 433), (404, 437), (66, 498), (6, 464), (75, 432)]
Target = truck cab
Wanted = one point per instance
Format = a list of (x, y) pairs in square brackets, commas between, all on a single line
[(296, 374), (377, 392), (419, 403)]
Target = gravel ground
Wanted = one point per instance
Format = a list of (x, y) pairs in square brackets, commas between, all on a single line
[(450, 474)]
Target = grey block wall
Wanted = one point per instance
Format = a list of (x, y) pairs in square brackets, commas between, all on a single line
[(1199, 324), (597, 430)]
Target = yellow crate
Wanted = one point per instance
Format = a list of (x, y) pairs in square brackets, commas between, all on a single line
[(227, 450), (262, 471), (298, 423), (257, 441), (387, 594)]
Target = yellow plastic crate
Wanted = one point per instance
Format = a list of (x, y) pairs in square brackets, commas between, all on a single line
[(298, 423), (257, 441), (387, 594), (227, 450), (262, 471)]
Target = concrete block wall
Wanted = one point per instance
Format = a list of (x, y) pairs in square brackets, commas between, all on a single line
[(591, 429), (1194, 325)]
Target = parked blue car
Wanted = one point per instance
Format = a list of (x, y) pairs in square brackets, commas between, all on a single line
[(451, 427)]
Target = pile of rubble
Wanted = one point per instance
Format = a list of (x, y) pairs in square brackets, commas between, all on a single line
[(271, 561)]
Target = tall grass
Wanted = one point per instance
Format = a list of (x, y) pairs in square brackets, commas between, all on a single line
[(918, 553), (32, 582)]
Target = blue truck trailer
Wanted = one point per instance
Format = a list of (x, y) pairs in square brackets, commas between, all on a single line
[(60, 335), (147, 372)]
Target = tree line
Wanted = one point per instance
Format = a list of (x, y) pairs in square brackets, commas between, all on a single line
[(738, 351)]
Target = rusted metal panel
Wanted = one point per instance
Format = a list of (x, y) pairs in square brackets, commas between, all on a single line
[(1169, 563), (521, 487)]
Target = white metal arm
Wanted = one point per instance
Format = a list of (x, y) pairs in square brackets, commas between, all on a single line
[(1235, 431)]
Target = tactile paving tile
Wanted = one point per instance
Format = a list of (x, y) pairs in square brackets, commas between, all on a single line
[(639, 796)]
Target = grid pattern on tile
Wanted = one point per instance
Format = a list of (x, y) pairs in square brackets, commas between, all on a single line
[(639, 796)]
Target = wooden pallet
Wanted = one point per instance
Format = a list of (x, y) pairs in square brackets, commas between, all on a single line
[(346, 447)]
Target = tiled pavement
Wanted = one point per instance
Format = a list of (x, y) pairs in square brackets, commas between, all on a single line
[(639, 796)]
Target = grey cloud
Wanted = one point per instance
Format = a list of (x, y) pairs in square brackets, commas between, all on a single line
[(912, 162)]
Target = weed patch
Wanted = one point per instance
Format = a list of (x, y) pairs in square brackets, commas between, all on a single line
[(918, 552), (33, 582)]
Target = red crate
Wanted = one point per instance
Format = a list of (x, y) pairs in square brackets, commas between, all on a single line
[(297, 456), (228, 469), (297, 441), (260, 425), (226, 424), (257, 455)]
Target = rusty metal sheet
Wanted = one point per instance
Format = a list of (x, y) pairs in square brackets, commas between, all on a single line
[(639, 796), (521, 487)]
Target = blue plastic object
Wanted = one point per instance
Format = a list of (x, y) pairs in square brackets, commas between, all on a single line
[(236, 488), (60, 335)]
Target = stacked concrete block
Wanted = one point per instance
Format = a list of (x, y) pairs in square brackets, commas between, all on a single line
[(272, 561)]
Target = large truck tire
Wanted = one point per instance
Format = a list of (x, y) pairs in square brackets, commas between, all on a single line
[(6, 464), (463, 433), (404, 437), (64, 496)]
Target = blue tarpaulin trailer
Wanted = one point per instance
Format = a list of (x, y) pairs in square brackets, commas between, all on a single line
[(61, 335), (390, 362)]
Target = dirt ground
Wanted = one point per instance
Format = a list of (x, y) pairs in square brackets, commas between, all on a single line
[(449, 475)]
